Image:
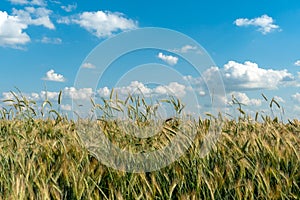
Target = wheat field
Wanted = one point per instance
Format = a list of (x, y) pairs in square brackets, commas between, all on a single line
[(44, 158)]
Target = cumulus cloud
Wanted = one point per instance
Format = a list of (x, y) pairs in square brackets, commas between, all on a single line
[(67, 93), (69, 8), (88, 65), (48, 95), (297, 63), (13, 27), (264, 23), (81, 93), (172, 88), (52, 76), (248, 76), (12, 30), (244, 99), (134, 87), (47, 40), (171, 60), (101, 23), (29, 96), (104, 92)]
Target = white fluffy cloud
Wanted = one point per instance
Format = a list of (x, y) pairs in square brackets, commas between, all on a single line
[(171, 60), (173, 88), (101, 23), (248, 75), (88, 65), (244, 99), (265, 23), (48, 95), (104, 92), (31, 96), (137, 87), (134, 87), (297, 63), (52, 76), (82, 93), (12, 27), (11, 30), (67, 93)]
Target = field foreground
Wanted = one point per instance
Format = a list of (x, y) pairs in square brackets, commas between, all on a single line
[(45, 155), (45, 159)]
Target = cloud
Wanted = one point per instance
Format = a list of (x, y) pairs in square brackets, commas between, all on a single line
[(69, 8), (296, 97), (47, 40), (104, 92), (186, 49), (34, 16), (64, 20), (26, 2), (297, 63), (52, 76), (7, 96), (244, 99), (174, 88), (81, 93), (279, 99), (48, 95), (29, 96), (66, 107), (88, 66), (134, 87), (12, 27), (171, 60), (11, 30), (101, 23), (248, 76), (67, 93), (265, 23)]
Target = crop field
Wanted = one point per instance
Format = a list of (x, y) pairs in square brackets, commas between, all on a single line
[(42, 156)]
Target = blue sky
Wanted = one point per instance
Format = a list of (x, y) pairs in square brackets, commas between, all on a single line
[(254, 45)]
